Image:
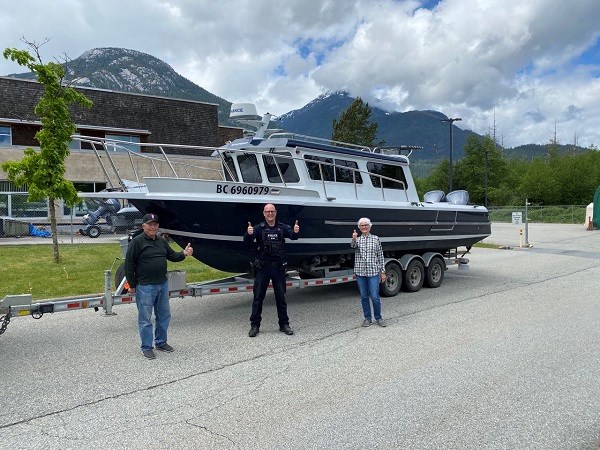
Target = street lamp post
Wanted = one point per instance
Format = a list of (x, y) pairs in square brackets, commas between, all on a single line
[(450, 175), (485, 203)]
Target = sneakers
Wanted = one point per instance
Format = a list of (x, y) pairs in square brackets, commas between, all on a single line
[(149, 354), (381, 323), (253, 331), (164, 347), (286, 329), (366, 323)]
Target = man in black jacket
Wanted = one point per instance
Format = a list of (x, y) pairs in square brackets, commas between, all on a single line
[(146, 273), (270, 266)]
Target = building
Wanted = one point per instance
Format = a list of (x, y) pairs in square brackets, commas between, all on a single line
[(134, 118)]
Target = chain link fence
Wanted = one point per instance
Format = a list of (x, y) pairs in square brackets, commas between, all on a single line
[(544, 214), (508, 233), (89, 221)]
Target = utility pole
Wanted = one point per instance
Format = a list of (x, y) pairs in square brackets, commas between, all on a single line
[(450, 174), (485, 203)]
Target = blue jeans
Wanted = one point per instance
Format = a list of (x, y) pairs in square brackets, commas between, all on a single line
[(369, 287), (153, 297)]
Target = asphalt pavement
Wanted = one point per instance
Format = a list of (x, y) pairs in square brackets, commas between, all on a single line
[(501, 356)]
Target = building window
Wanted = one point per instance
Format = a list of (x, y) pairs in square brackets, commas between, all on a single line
[(122, 146), (5, 135)]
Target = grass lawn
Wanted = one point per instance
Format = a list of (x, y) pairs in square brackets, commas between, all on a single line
[(30, 269)]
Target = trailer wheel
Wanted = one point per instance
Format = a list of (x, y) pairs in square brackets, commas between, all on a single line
[(414, 276), (94, 231), (393, 280), (119, 275), (434, 274)]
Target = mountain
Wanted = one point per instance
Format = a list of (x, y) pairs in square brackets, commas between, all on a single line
[(422, 128), (124, 70)]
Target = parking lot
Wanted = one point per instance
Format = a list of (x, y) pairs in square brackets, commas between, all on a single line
[(502, 356)]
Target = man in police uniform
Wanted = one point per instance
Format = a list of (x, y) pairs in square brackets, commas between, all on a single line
[(270, 266)]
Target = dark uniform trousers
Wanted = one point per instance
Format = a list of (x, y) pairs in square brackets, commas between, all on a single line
[(274, 272)]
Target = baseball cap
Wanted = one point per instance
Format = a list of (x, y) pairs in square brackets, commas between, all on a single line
[(150, 218)]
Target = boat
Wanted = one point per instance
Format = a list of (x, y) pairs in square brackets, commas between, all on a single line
[(324, 185)]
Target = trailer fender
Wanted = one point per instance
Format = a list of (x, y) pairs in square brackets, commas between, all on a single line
[(427, 257), (405, 260)]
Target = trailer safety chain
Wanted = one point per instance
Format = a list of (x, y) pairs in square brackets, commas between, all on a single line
[(4, 320)]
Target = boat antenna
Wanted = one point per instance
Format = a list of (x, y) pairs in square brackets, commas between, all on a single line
[(245, 113)]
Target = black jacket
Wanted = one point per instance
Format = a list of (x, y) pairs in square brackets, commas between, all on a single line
[(146, 260), (270, 241)]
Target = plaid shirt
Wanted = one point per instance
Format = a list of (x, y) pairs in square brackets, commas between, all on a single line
[(368, 259)]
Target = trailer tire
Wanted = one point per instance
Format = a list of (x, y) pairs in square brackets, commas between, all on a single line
[(119, 275), (393, 280), (93, 231), (434, 274), (414, 276)]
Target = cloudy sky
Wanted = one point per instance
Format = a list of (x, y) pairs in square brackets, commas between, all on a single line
[(533, 64)]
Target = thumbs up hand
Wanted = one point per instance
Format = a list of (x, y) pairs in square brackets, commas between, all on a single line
[(354, 234), (250, 230), (296, 227), (188, 250)]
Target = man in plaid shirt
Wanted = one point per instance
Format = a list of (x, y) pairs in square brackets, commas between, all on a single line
[(369, 270)]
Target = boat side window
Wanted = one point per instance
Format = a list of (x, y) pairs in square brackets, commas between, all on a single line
[(313, 168), (347, 175), (389, 171), (286, 166), (229, 161), (249, 168)]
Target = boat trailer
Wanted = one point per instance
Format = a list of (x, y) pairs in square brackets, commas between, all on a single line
[(411, 272)]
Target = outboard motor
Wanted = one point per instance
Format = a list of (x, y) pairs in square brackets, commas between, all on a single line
[(459, 197), (107, 208), (434, 197)]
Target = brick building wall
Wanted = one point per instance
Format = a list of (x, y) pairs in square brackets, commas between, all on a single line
[(167, 120)]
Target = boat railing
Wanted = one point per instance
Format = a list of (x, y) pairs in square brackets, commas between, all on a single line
[(111, 147), (396, 149), (318, 140)]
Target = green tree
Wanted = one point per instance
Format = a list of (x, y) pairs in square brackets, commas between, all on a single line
[(483, 159), (43, 171), (354, 127), (436, 180)]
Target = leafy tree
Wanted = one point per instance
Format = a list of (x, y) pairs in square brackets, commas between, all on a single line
[(354, 127), (436, 180), (43, 171), (482, 159)]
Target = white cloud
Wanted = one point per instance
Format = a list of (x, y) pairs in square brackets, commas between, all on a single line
[(519, 59)]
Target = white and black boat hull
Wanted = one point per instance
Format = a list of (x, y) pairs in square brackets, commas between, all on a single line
[(216, 228)]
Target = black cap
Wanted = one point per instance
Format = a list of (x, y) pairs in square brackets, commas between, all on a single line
[(150, 218)]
